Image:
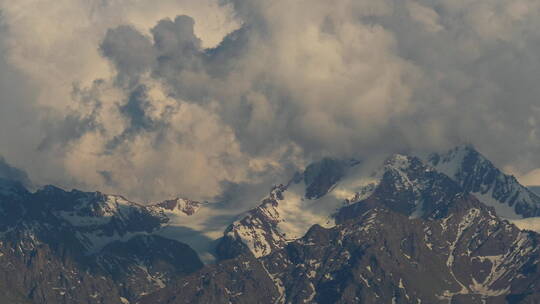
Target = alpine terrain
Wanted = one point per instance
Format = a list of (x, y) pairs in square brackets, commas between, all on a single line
[(441, 228)]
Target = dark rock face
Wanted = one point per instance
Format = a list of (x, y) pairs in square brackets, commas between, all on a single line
[(415, 189), (321, 176), (145, 264), (43, 275), (242, 280)]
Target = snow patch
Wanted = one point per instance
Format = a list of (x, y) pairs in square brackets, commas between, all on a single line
[(124, 300), (503, 210)]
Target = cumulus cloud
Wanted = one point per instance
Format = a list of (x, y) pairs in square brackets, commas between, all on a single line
[(164, 100)]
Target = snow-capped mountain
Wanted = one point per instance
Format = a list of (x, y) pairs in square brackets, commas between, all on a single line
[(478, 175), (310, 198), (178, 206), (456, 250), (413, 230), (89, 238), (315, 198), (409, 185)]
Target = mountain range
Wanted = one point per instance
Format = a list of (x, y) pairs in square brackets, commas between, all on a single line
[(439, 228)]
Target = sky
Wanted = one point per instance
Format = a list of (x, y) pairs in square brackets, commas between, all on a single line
[(200, 98)]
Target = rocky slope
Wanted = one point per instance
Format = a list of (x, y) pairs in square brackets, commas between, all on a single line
[(478, 175), (287, 213), (415, 230), (456, 250), (77, 247)]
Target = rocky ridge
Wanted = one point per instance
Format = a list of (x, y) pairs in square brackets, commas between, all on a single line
[(417, 230), (456, 250)]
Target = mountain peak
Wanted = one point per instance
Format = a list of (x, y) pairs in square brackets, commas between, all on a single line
[(478, 175), (185, 206), (400, 161)]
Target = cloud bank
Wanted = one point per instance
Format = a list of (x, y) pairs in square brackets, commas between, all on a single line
[(200, 98)]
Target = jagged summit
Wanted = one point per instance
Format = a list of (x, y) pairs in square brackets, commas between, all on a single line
[(476, 174), (185, 206)]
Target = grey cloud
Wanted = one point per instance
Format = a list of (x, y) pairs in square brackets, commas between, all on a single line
[(108, 177), (173, 46), (135, 111), (130, 51), (76, 123), (176, 38), (69, 129)]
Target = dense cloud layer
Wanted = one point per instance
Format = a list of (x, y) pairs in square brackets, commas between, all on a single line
[(156, 98)]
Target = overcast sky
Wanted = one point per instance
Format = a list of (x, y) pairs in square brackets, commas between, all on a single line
[(155, 98)]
